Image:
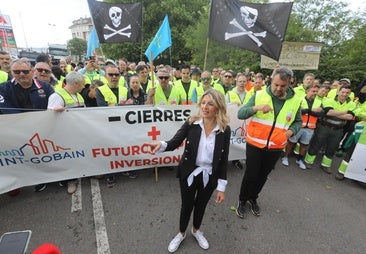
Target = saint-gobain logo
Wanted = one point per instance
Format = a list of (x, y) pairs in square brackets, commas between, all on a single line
[(238, 135), (42, 150)]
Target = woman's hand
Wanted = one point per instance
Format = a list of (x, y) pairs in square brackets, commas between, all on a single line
[(220, 197), (153, 147)]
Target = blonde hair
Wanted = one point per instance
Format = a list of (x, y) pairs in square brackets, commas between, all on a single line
[(222, 119)]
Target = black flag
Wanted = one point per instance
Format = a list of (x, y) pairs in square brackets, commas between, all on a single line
[(257, 27), (117, 22)]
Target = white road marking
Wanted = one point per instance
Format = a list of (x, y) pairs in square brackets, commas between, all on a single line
[(99, 222), (76, 199)]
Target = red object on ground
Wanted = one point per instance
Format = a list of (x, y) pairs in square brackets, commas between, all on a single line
[(47, 248)]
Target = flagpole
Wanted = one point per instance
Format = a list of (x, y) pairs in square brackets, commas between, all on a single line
[(142, 35), (170, 56), (152, 71), (204, 62), (153, 85)]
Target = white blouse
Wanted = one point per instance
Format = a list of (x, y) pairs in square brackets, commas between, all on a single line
[(204, 157)]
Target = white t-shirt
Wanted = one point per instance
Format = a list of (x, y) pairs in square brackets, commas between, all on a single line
[(56, 100)]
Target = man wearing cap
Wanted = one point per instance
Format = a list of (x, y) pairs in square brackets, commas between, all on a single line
[(186, 85), (334, 91), (328, 133), (196, 74)]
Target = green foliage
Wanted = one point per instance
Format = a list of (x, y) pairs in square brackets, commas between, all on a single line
[(77, 47), (325, 21)]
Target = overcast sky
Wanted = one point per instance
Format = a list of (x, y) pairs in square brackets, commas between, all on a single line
[(36, 23), (39, 22)]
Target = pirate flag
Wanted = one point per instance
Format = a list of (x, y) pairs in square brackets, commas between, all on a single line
[(117, 22), (257, 27)]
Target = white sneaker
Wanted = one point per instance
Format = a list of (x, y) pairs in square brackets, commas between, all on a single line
[(202, 242), (284, 161), (71, 186), (301, 164), (174, 244)]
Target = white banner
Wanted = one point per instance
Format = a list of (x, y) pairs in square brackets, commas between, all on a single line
[(48, 146), (356, 169), (295, 55)]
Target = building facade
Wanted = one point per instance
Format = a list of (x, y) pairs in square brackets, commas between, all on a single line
[(81, 28)]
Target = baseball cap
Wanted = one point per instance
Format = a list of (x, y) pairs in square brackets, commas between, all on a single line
[(345, 80), (110, 62), (196, 71)]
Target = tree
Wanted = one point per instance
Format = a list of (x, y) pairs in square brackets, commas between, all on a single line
[(182, 15), (330, 23), (77, 47), (325, 21)]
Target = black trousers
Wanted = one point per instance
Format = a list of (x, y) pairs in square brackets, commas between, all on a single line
[(325, 136), (259, 163), (194, 196)]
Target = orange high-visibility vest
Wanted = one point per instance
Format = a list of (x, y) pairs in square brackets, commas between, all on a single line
[(309, 121), (267, 130)]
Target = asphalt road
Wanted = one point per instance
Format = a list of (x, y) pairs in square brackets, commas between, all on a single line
[(302, 212)]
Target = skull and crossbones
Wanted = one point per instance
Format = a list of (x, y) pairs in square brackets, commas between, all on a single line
[(249, 16), (115, 14)]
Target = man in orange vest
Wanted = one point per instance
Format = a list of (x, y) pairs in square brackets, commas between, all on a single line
[(310, 111), (276, 116)]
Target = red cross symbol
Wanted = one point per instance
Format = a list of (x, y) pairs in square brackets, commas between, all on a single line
[(153, 133)]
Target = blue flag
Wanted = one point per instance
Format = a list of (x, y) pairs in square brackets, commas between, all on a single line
[(93, 42), (162, 40)]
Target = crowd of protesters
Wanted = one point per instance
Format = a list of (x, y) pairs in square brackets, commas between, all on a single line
[(333, 113)]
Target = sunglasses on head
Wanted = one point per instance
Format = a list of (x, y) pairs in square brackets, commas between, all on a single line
[(113, 74), (164, 78), (21, 71), (43, 70)]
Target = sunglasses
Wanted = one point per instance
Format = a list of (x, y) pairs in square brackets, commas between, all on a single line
[(43, 70), (113, 74), (205, 79), (21, 71), (166, 78), (227, 76)]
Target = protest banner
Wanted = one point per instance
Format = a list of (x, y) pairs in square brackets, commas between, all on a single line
[(296, 55), (48, 146), (356, 169)]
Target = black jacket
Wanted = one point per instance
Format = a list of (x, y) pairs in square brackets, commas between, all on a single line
[(192, 134)]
